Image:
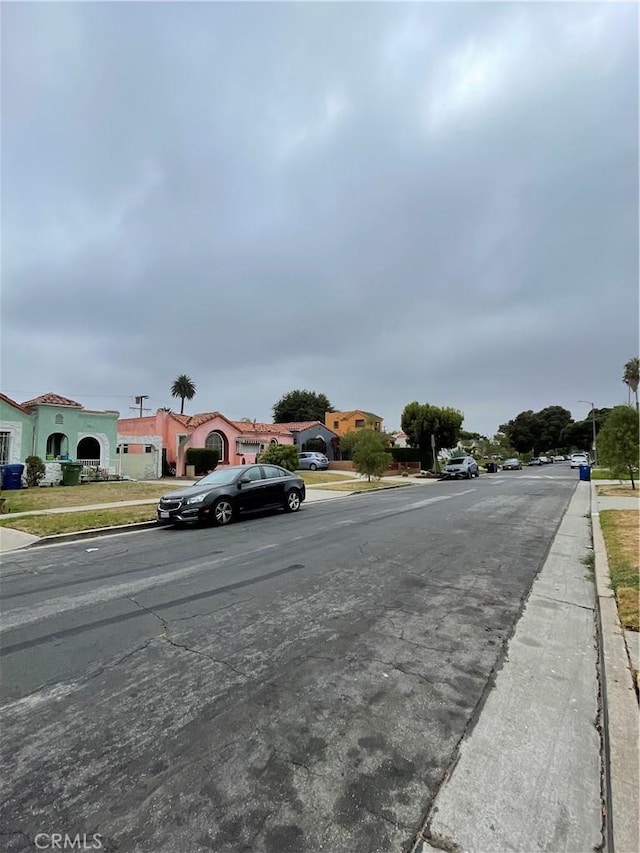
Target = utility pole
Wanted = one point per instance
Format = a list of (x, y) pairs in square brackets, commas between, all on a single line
[(139, 401), (593, 424)]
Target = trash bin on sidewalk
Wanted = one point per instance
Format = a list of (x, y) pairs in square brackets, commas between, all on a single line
[(585, 472), (492, 468), (12, 477), (71, 473)]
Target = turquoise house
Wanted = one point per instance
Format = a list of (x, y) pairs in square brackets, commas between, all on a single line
[(53, 428)]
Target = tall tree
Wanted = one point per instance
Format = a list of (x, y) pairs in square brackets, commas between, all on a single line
[(420, 421), (631, 377), (618, 442), (301, 405), (523, 432), (552, 421), (185, 388)]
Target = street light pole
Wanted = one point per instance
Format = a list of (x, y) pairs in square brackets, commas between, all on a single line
[(593, 424)]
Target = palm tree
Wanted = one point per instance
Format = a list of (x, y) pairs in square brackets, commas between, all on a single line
[(631, 377), (185, 388)]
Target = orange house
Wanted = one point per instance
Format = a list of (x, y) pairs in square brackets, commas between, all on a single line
[(173, 434), (344, 422)]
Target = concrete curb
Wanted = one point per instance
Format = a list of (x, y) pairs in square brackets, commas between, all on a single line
[(90, 534), (59, 538), (620, 704)]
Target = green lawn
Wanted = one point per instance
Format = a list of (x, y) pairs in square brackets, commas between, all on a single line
[(605, 474), (72, 522), (622, 539), (24, 500)]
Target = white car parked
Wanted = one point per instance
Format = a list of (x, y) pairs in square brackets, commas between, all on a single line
[(578, 459)]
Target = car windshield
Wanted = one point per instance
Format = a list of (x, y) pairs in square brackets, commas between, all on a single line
[(219, 478), (457, 461)]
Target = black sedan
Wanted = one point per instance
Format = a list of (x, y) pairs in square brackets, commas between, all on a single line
[(222, 494)]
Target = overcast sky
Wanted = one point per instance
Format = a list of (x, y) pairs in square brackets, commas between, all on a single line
[(379, 202)]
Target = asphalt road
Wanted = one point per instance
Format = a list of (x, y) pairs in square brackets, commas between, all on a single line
[(290, 683)]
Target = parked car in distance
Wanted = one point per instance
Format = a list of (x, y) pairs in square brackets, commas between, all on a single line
[(511, 465), (219, 497), (545, 460), (578, 459), (559, 458), (535, 461), (311, 461), (460, 466)]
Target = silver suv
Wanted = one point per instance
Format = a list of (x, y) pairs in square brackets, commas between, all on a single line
[(460, 466), (312, 461)]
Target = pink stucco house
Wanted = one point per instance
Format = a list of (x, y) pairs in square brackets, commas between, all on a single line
[(173, 434)]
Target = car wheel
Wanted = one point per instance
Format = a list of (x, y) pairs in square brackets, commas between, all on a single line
[(222, 512), (313, 466), (292, 501)]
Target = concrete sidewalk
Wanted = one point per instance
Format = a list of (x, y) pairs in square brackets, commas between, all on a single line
[(528, 775)]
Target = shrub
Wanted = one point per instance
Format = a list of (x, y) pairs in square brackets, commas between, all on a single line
[(202, 458), (285, 455), (35, 470)]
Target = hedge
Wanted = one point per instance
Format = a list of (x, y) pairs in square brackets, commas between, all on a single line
[(411, 454), (205, 460)]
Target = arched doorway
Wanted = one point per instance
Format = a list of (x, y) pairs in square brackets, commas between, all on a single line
[(57, 445), (88, 451), (216, 441)]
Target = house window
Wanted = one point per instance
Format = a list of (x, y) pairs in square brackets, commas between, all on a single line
[(122, 448), (359, 423), (336, 424), (148, 448), (216, 441), (57, 445), (59, 419), (273, 441), (4, 447)]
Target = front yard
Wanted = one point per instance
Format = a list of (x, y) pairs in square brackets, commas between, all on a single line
[(622, 539)]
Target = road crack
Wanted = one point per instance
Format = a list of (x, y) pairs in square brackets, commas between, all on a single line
[(166, 637)]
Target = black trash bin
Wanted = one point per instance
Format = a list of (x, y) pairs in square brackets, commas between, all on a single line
[(585, 472), (492, 468), (12, 477)]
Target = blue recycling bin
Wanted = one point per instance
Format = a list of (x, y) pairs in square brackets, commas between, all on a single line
[(585, 472), (12, 477)]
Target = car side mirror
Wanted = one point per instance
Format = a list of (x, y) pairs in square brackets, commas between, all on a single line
[(243, 480)]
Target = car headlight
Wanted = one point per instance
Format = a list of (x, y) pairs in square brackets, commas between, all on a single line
[(197, 499)]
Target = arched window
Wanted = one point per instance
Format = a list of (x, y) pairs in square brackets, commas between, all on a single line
[(216, 441), (273, 441), (59, 419), (57, 445)]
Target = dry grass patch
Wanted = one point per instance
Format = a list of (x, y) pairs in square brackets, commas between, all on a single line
[(73, 522), (621, 529), (360, 486), (314, 478), (623, 491), (25, 500)]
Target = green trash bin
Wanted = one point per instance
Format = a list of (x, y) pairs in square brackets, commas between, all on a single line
[(71, 473)]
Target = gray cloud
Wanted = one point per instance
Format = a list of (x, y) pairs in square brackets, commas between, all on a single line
[(383, 203)]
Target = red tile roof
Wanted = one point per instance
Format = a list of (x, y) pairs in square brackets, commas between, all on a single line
[(298, 426), (13, 403), (51, 400), (251, 426)]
